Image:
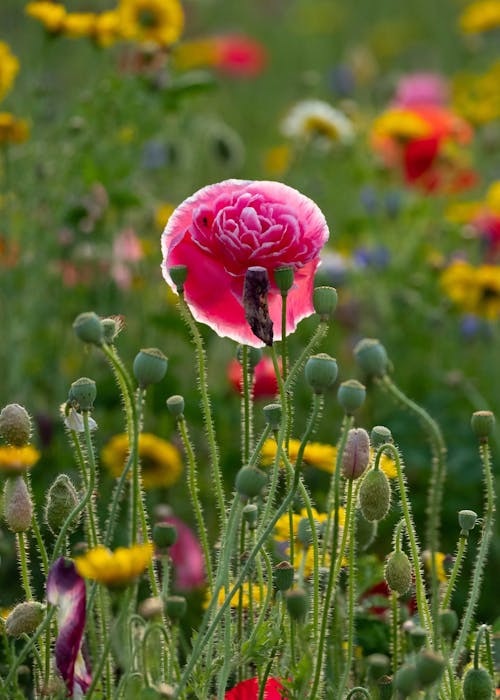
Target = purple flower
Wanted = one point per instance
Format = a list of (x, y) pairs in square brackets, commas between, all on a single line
[(66, 589)]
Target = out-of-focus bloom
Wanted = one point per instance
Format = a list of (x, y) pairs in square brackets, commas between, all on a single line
[(66, 590), (243, 594), (480, 16), (158, 21), (127, 250), (187, 556), (277, 160), (106, 29), (74, 420), (443, 563), (249, 690), (12, 129), (474, 289), (163, 213), (50, 14), (476, 96), (482, 217), (9, 252), (378, 601), (223, 230), (233, 54), (17, 459), (160, 461), (265, 384), (78, 24), (421, 89), (115, 569), (317, 122), (9, 68)]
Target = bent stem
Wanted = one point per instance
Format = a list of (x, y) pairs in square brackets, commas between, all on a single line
[(459, 557)]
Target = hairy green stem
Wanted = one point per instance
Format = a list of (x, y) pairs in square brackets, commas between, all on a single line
[(459, 557), (23, 564)]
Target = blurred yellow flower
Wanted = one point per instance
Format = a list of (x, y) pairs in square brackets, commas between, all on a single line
[(493, 197), (160, 460), (476, 96), (440, 560), (78, 24), (12, 129), (475, 289), (194, 54), (106, 28), (50, 14), (17, 459), (462, 212), (114, 569), (9, 68), (277, 160), (163, 213), (480, 16), (400, 124), (157, 21), (257, 593)]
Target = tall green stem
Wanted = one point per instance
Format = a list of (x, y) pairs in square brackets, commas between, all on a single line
[(459, 557), (23, 564)]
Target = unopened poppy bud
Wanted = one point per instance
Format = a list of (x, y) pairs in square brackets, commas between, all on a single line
[(321, 371), (61, 499), (477, 684), (375, 495), (175, 405), (15, 425), (283, 276), (482, 423), (430, 667), (178, 274), (283, 576), (366, 531), (356, 455), (110, 328), (251, 514), (272, 415), (24, 619), (448, 622), (88, 328), (164, 535), (371, 356), (150, 608), (398, 572), (82, 393), (406, 680), (250, 481), (175, 607), (351, 396), (150, 366), (17, 505), (467, 520), (297, 603), (418, 637), (304, 532), (380, 435), (254, 356), (378, 665), (325, 302), (385, 687)]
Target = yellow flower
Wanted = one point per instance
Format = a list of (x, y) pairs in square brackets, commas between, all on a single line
[(50, 14), (277, 160), (243, 593), (476, 96), (9, 68), (462, 212), (480, 16), (160, 460), (475, 289), (13, 130), (400, 124), (440, 560), (163, 213), (106, 28), (493, 197), (157, 21), (78, 24), (194, 54), (17, 459), (114, 569)]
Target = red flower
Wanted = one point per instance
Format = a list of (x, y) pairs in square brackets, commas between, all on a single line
[(265, 385), (239, 55), (249, 690)]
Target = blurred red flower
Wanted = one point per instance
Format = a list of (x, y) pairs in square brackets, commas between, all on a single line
[(249, 690), (265, 383)]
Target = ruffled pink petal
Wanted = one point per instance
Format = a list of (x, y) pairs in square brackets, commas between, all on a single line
[(187, 557)]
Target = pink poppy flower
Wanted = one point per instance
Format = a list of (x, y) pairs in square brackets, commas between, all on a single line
[(265, 384), (417, 89), (239, 55), (187, 557), (226, 228), (249, 690)]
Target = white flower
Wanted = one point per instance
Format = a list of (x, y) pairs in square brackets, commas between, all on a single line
[(318, 121), (74, 421)]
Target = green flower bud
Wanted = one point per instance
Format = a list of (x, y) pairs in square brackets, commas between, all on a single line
[(430, 667), (325, 302), (283, 576), (283, 276), (15, 425), (467, 520), (175, 405), (406, 680), (375, 495), (88, 327), (178, 274), (398, 572), (254, 356), (378, 665), (418, 637), (250, 481), (24, 619), (61, 499), (477, 684), (483, 423), (304, 532), (297, 603), (175, 607), (380, 435), (371, 356), (385, 687), (448, 622), (272, 415), (17, 504), (82, 394), (164, 535), (356, 455), (366, 531), (251, 514), (351, 396), (321, 372), (150, 366), (110, 329)]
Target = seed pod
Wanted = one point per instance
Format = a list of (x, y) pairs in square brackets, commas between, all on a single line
[(88, 328), (15, 425), (251, 514), (24, 619), (179, 274), (17, 505), (164, 535), (250, 481), (150, 366), (61, 499), (467, 520), (371, 356), (356, 455), (272, 415), (320, 372), (283, 576), (477, 684), (175, 405), (380, 435), (398, 572), (448, 621), (175, 607), (325, 302), (297, 603), (283, 276), (378, 665), (482, 423), (430, 667), (351, 396), (82, 393), (375, 495), (406, 680)]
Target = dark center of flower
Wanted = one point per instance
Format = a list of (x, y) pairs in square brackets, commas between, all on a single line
[(488, 293), (147, 18)]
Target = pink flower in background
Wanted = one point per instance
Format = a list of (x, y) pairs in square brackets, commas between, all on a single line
[(222, 230), (127, 250), (239, 55), (417, 89), (265, 384), (187, 556)]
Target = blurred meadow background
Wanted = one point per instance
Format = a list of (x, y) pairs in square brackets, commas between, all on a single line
[(112, 133)]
